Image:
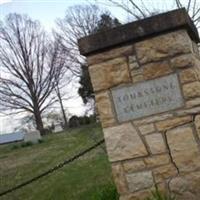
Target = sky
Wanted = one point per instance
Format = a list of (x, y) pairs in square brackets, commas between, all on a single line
[(47, 11), (44, 10)]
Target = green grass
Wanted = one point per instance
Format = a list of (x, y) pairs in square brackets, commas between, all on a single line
[(84, 179)]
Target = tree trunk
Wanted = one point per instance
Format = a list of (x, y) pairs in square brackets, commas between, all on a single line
[(62, 107), (38, 120)]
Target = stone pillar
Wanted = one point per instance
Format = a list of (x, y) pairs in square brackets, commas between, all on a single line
[(146, 77)]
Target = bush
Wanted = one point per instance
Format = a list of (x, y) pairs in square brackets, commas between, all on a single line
[(26, 144), (40, 141), (157, 195), (15, 146), (108, 192)]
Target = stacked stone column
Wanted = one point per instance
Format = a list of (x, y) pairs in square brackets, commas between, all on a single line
[(162, 149)]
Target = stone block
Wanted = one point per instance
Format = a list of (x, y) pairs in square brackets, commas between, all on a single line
[(139, 181), (147, 128), (186, 187), (156, 143), (133, 64), (197, 124), (195, 48), (183, 61), (110, 54), (137, 75), (189, 111), (119, 178), (131, 166), (173, 122), (151, 119), (157, 160), (137, 78), (188, 75), (140, 195), (32, 136), (193, 102), (164, 172), (184, 148), (123, 142), (105, 109), (154, 70), (191, 90), (161, 47), (109, 74)]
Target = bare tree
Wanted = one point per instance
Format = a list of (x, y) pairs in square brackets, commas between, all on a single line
[(29, 67), (78, 22), (141, 9)]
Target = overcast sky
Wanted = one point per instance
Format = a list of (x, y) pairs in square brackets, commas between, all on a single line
[(46, 11)]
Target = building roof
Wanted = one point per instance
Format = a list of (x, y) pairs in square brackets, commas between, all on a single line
[(11, 137)]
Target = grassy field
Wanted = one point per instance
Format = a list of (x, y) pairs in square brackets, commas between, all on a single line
[(81, 180)]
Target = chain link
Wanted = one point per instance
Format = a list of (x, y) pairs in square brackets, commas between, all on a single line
[(58, 166)]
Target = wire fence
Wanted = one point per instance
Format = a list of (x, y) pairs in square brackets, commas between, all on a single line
[(53, 169)]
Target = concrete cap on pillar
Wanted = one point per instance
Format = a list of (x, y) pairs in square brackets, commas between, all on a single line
[(139, 30)]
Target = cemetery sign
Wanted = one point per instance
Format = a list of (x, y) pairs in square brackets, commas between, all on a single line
[(147, 98)]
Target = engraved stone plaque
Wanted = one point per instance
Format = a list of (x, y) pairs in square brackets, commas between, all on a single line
[(147, 98)]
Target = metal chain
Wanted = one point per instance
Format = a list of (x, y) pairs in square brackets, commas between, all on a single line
[(58, 166)]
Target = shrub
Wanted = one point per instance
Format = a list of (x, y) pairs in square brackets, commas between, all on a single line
[(26, 144), (15, 146), (157, 195), (40, 141)]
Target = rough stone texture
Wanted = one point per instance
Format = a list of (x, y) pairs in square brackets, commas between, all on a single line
[(137, 75), (123, 142), (190, 111), (191, 90), (105, 109), (156, 143), (192, 102), (183, 61), (163, 46), (133, 62), (139, 30), (173, 122), (154, 70), (108, 55), (109, 74), (147, 128), (141, 195), (195, 48), (184, 149), (139, 181), (186, 187), (119, 178), (152, 119), (137, 78), (131, 166), (197, 124), (164, 172), (188, 75), (157, 160)]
